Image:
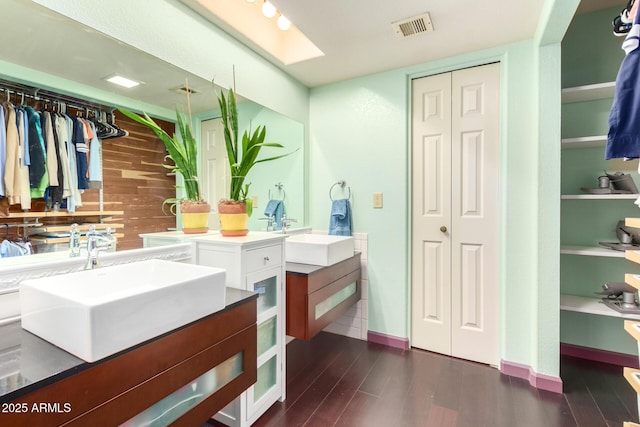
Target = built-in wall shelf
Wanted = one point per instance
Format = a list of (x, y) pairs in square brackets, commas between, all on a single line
[(588, 92), (633, 280), (633, 256), (36, 240), (591, 251), (67, 228), (591, 306), (62, 214), (599, 196), (583, 142)]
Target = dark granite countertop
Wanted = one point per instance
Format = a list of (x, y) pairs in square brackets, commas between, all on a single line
[(308, 269), (28, 362)]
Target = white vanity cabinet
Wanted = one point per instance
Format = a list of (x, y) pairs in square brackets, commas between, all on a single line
[(254, 262)]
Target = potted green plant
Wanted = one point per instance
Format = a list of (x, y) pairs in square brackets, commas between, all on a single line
[(235, 211), (183, 151)]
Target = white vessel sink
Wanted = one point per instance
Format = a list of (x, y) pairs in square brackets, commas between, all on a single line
[(93, 314), (318, 249)]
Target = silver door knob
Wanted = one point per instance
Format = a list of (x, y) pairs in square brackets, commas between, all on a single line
[(443, 229)]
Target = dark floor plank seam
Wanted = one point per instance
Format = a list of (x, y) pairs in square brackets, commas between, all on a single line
[(333, 388), (288, 403), (595, 404), (357, 389)]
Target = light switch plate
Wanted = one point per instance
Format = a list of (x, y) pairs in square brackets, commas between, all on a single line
[(255, 201), (377, 200)]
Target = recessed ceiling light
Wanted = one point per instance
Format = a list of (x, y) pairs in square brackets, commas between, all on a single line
[(122, 81)]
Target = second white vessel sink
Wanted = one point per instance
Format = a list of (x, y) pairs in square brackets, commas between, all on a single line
[(93, 314), (318, 249)]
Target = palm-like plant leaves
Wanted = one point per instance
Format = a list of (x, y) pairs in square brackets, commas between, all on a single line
[(183, 150), (243, 158)]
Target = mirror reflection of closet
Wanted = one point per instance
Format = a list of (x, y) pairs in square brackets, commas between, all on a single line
[(44, 61)]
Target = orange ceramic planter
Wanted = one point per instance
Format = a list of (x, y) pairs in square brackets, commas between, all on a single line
[(233, 219), (195, 217)]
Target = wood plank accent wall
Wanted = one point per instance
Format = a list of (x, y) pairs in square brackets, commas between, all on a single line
[(135, 181)]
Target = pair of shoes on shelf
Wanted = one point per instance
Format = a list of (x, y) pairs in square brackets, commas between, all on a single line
[(622, 23)]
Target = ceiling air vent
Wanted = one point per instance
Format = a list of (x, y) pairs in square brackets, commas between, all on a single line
[(184, 89), (413, 26)]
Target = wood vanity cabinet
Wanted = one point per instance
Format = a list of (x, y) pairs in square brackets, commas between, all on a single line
[(112, 391), (316, 296)]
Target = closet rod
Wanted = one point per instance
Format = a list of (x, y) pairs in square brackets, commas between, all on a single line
[(49, 96)]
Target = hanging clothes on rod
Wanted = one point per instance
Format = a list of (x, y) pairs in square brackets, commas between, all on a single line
[(15, 246), (623, 138), (46, 152)]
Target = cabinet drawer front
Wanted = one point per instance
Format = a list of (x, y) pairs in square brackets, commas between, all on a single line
[(258, 259)]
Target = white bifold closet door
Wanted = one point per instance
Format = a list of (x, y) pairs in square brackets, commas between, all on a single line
[(455, 208)]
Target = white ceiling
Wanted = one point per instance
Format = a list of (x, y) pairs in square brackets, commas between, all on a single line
[(355, 35), (357, 38)]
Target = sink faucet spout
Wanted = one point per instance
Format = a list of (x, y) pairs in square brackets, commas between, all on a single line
[(97, 243)]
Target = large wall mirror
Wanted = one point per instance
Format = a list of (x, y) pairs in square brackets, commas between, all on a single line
[(54, 53)]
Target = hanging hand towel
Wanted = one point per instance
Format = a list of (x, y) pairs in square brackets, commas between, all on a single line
[(340, 221), (275, 208), (623, 139)]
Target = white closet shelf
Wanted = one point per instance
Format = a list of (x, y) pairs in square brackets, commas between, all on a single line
[(591, 306), (591, 251), (633, 256), (61, 214), (583, 142), (54, 240), (61, 228), (633, 280), (599, 196), (588, 92)]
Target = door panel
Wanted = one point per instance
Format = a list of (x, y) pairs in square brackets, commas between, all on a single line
[(474, 222), (471, 284), (214, 167), (471, 170), (431, 157), (455, 157)]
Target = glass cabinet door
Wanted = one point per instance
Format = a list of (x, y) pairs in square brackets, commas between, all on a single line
[(267, 335), (267, 389), (267, 285)]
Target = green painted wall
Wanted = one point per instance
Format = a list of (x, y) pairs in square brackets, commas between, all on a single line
[(590, 52), (585, 222)]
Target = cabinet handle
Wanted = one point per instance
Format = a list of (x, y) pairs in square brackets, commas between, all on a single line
[(443, 229), (266, 258)]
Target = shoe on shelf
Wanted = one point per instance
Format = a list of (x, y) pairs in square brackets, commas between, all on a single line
[(619, 27)]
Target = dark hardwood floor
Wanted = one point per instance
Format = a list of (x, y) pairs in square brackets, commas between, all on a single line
[(337, 381)]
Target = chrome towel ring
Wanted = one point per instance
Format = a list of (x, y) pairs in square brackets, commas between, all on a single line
[(342, 183), (280, 190)]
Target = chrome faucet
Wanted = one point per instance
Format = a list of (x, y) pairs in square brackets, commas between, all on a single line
[(286, 222), (97, 243), (74, 241), (271, 220)]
